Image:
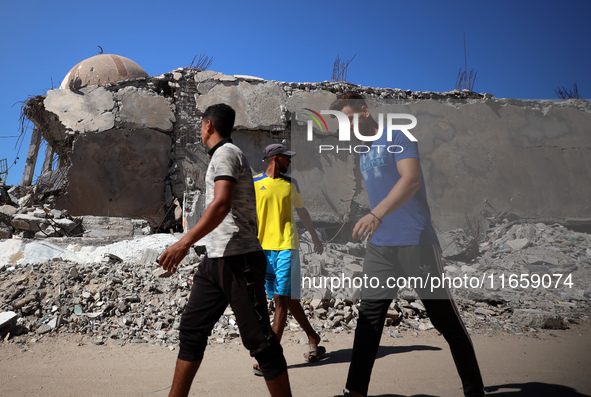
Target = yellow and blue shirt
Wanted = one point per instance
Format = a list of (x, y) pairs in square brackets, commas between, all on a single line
[(275, 198)]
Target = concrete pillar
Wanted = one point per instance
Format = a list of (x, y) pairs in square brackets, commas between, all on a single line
[(47, 164), (31, 158)]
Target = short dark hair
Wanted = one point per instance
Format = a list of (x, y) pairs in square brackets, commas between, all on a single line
[(349, 98), (222, 117)]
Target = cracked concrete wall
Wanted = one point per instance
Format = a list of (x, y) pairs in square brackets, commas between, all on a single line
[(479, 158), (116, 144), (135, 145)]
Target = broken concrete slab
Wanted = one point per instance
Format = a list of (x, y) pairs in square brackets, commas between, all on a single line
[(21, 253), (11, 251), (457, 245), (102, 226), (88, 110), (28, 222), (7, 320), (142, 108), (257, 104), (518, 244), (538, 319)]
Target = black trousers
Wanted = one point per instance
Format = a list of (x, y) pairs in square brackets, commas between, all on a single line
[(240, 282), (409, 261)]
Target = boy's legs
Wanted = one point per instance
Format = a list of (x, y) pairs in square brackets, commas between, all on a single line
[(283, 286)]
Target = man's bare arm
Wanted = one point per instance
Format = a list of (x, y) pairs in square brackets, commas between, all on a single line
[(307, 221), (408, 184), (214, 215)]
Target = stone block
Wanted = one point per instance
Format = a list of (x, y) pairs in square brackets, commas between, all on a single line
[(7, 321), (257, 105), (27, 222), (66, 224), (457, 245), (353, 270), (102, 226), (518, 244), (538, 319), (144, 109)]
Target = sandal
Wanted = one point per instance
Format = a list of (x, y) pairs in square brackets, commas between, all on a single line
[(257, 370), (316, 353)]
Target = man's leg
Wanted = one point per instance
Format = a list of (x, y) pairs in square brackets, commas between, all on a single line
[(184, 373), (205, 306), (295, 307), (445, 317), (244, 289), (280, 317), (379, 262), (281, 267), (368, 333), (297, 311)]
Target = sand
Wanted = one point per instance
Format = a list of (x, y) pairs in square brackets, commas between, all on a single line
[(546, 363)]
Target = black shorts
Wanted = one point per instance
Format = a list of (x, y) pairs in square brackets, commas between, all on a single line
[(240, 282)]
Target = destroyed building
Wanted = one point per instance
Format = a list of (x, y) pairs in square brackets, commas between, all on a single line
[(131, 148), (124, 158)]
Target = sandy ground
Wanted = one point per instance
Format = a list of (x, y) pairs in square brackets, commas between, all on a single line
[(549, 363)]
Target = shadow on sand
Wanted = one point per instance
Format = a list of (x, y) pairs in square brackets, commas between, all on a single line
[(344, 355), (530, 389)]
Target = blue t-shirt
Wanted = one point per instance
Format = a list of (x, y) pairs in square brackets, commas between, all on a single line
[(411, 223)]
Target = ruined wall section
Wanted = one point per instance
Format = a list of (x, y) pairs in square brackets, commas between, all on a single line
[(134, 148), (115, 143)]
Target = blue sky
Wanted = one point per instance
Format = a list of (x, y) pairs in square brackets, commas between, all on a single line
[(519, 49)]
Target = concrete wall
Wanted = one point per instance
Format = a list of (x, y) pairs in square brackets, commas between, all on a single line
[(132, 147)]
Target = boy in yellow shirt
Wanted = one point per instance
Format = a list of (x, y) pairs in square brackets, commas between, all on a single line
[(276, 194)]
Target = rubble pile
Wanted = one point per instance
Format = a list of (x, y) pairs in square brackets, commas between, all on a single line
[(534, 276), (26, 213)]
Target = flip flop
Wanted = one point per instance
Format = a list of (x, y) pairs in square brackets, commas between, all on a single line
[(257, 370), (316, 353)]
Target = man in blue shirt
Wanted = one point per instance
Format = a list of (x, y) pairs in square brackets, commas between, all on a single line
[(402, 244)]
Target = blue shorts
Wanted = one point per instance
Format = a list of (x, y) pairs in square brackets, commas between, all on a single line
[(283, 273)]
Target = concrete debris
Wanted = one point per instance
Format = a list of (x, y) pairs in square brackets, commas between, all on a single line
[(538, 319), (7, 322), (456, 245), (114, 292)]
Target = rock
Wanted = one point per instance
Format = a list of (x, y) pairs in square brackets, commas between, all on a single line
[(518, 244), (5, 232), (27, 222), (538, 319), (456, 245), (161, 273), (315, 303), (43, 329), (7, 322), (353, 270)]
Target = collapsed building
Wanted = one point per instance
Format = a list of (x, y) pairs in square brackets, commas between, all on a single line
[(124, 159), (127, 145)]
